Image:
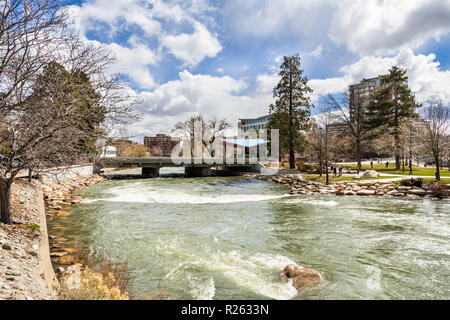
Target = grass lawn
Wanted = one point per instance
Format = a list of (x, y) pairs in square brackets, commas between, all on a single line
[(417, 171)]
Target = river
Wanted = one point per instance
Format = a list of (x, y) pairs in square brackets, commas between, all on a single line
[(228, 238)]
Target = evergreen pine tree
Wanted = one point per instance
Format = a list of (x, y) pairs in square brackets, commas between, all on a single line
[(291, 111), (390, 105)]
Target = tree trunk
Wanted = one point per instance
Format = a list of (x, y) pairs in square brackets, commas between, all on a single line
[(358, 153), (292, 158), (397, 149), (396, 133), (320, 163), (438, 174), (5, 211), (291, 125), (403, 161)]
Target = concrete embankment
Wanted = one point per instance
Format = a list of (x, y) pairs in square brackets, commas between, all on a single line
[(26, 271), (25, 268), (379, 188)]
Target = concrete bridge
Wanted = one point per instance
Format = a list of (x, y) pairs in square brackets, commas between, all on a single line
[(196, 167)]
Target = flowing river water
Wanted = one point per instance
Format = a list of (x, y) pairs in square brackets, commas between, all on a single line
[(228, 238)]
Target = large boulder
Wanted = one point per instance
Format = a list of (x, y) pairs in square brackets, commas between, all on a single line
[(368, 174), (302, 277)]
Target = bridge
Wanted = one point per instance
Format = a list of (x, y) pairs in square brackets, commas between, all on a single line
[(195, 167)]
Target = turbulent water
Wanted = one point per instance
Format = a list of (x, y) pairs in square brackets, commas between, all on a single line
[(228, 238)]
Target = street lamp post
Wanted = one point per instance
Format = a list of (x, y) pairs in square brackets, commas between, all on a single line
[(410, 149), (327, 180)]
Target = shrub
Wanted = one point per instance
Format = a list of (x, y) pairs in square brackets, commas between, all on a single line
[(88, 285), (438, 190), (413, 182), (97, 278)]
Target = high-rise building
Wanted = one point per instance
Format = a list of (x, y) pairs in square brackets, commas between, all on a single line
[(359, 93), (253, 123), (161, 145), (338, 128)]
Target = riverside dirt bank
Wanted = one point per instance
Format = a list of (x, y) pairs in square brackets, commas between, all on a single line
[(26, 271), (378, 188)]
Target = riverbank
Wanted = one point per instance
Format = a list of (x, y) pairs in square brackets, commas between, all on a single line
[(24, 252), (59, 197), (80, 276), (26, 271), (379, 188)]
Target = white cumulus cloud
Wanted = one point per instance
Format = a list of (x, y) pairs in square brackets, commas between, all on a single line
[(193, 48), (380, 27), (190, 94)]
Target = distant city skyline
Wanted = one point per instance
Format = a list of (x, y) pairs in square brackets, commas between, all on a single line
[(221, 58)]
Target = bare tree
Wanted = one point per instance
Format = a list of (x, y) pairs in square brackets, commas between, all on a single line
[(324, 120), (57, 97), (195, 125), (315, 143), (447, 151), (351, 113), (436, 131), (215, 128), (208, 129)]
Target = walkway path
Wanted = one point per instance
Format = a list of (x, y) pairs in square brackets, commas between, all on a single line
[(395, 177)]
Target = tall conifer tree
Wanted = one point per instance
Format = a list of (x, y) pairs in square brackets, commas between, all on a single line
[(390, 105), (291, 111)]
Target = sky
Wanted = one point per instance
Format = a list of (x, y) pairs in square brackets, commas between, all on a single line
[(221, 58)]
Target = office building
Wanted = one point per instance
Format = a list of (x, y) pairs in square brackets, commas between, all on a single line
[(253, 123), (359, 93)]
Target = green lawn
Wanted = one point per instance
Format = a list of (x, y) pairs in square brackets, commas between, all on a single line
[(417, 171)]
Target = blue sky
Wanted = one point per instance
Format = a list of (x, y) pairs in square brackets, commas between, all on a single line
[(220, 58)]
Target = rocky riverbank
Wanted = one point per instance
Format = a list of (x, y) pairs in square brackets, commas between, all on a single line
[(22, 271), (80, 277), (59, 197), (24, 250), (300, 185)]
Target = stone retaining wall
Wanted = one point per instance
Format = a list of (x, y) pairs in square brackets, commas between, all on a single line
[(24, 248), (66, 173), (22, 252)]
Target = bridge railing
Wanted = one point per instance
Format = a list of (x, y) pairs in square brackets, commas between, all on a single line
[(181, 161)]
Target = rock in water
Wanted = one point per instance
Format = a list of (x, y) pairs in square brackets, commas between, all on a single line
[(302, 277)]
